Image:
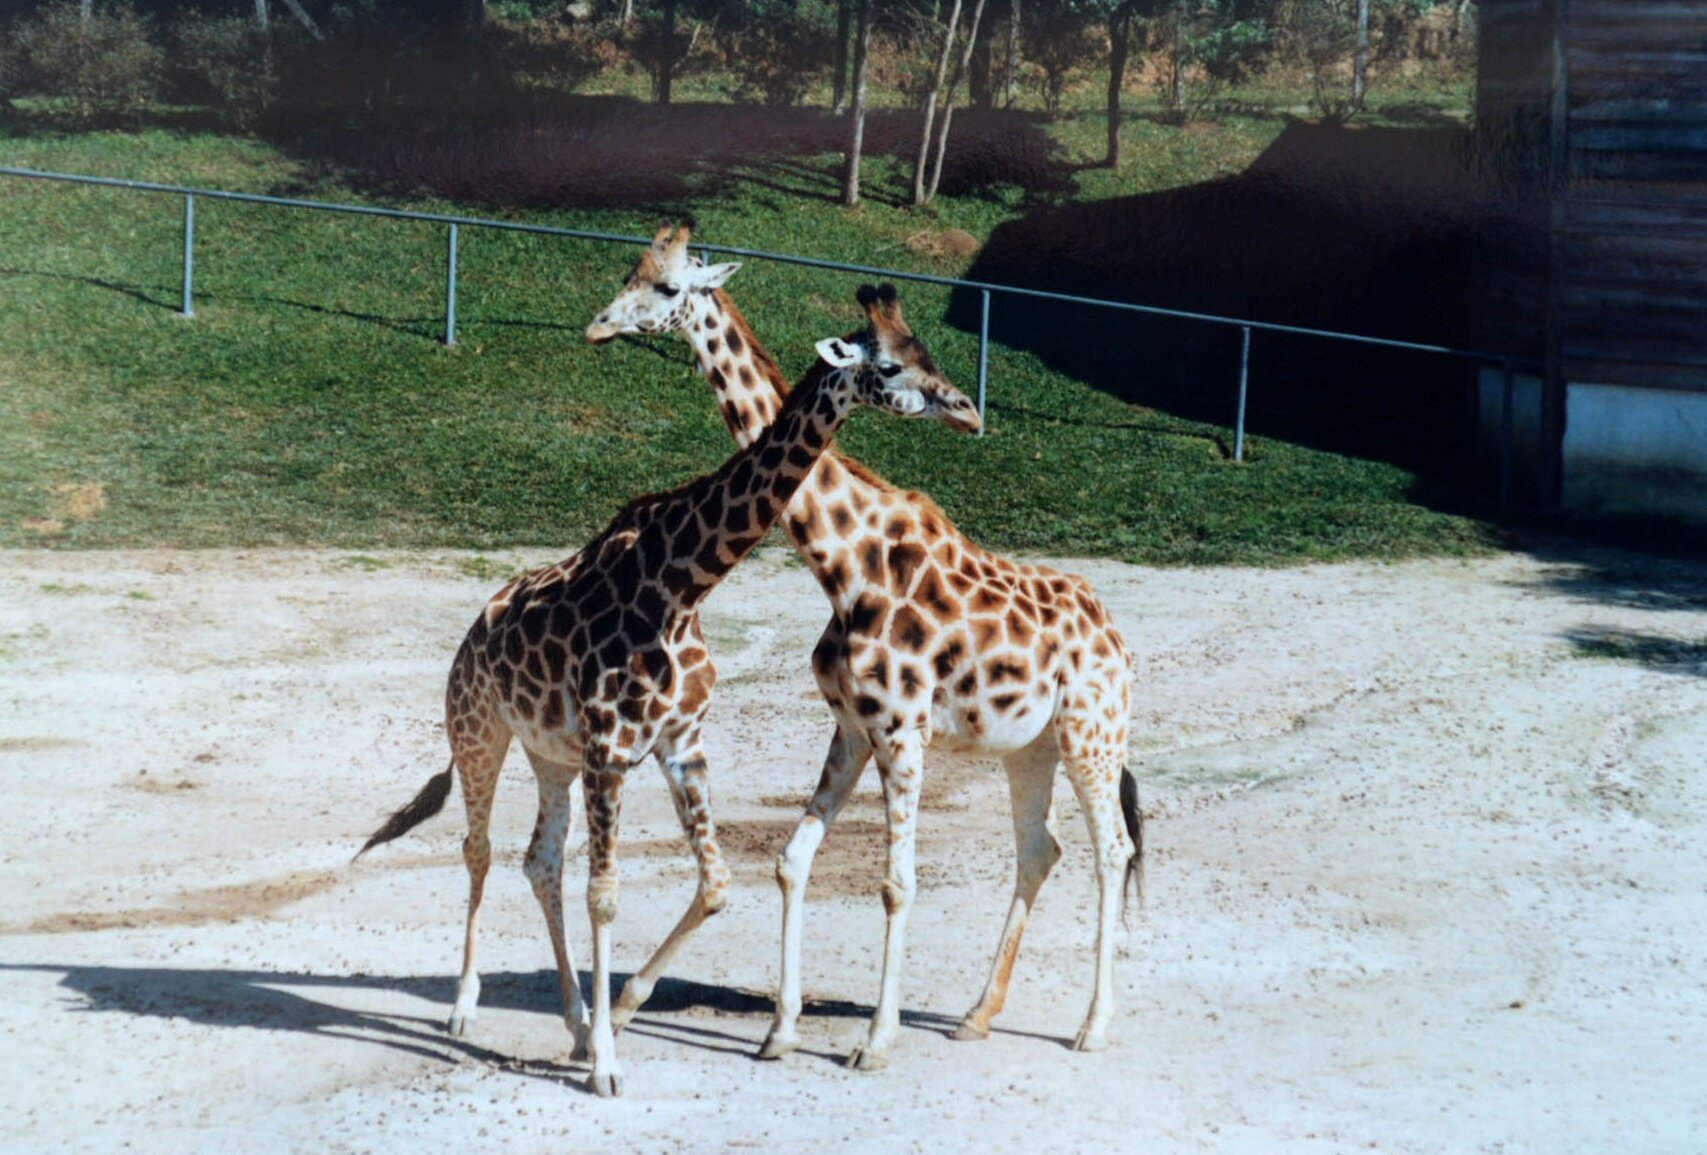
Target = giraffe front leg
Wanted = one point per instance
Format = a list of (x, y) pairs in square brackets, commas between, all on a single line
[(1031, 778), (685, 770), (846, 760), (603, 788), (901, 762)]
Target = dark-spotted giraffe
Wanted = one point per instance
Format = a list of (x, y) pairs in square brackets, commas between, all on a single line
[(599, 661), (933, 642)]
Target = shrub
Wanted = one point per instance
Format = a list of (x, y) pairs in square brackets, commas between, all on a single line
[(777, 61), (102, 69), (239, 63)]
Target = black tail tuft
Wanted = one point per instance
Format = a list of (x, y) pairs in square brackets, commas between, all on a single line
[(1135, 830), (427, 803)]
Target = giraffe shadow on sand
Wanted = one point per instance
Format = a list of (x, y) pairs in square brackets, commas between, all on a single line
[(292, 1001)]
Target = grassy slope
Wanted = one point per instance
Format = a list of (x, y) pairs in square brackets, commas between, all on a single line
[(309, 402)]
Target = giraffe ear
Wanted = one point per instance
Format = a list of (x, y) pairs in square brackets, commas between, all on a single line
[(837, 353), (712, 276)]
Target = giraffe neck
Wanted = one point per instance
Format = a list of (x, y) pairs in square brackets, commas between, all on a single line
[(830, 516), (743, 375), (732, 510)]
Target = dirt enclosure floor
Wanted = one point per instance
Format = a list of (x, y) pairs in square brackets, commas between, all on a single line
[(1427, 874)]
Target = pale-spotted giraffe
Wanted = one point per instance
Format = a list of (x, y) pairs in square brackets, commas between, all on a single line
[(599, 661), (933, 642)]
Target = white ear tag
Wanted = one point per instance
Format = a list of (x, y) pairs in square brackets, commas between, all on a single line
[(837, 353)]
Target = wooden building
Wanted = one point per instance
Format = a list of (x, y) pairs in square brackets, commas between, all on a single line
[(1591, 256)]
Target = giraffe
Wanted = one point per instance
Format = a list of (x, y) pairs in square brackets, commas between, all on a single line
[(598, 661), (932, 642)]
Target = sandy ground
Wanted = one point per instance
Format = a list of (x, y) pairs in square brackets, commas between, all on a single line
[(1427, 875)]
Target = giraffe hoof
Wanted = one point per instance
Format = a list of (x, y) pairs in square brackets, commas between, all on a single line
[(969, 1032), (863, 1060), (776, 1046), (606, 1086), (459, 1023), (619, 1018), (1089, 1041)]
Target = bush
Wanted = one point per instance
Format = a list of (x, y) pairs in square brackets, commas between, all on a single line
[(239, 63), (777, 61), (102, 69)]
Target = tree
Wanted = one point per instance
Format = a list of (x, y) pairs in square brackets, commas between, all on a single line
[(925, 186), (839, 82), (856, 127)]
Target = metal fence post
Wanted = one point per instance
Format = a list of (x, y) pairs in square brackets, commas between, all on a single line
[(189, 309), (1244, 382), (1507, 402), (450, 290), (983, 358)]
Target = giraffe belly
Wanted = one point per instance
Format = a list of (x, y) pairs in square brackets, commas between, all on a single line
[(977, 725), (558, 744)]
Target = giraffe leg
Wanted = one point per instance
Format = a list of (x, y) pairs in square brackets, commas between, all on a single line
[(684, 769), (478, 747), (900, 760), (544, 869), (1094, 770), (602, 783), (849, 753), (1031, 778)]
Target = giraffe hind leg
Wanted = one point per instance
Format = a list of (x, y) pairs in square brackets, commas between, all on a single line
[(1095, 760), (543, 866), (478, 745), (1031, 781)]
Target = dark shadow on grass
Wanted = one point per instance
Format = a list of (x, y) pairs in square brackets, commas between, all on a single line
[(1160, 429), (1361, 230), (594, 152)]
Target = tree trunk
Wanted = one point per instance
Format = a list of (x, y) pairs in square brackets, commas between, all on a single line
[(307, 21), (980, 77), (261, 15), (667, 54), (930, 104), (1177, 51), (86, 10), (856, 130), (948, 105), (627, 16), (839, 96), (1010, 65), (1119, 48), (1360, 67)]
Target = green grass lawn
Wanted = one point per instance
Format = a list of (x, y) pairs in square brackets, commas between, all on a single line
[(310, 403)]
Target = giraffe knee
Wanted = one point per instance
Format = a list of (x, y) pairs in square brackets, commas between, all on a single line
[(601, 901), (795, 861), (897, 897)]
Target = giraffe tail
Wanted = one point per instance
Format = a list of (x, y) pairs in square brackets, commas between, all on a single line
[(423, 806), (1135, 829)]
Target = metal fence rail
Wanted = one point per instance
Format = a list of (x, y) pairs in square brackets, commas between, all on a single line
[(1505, 362)]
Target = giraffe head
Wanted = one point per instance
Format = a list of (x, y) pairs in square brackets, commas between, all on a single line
[(892, 370), (658, 295)]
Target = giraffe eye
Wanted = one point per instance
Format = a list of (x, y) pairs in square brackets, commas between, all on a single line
[(666, 290), (889, 370)]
